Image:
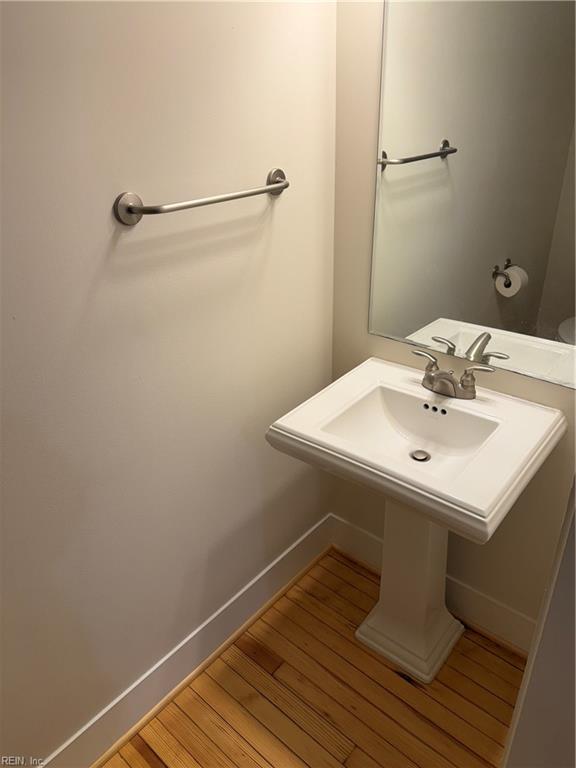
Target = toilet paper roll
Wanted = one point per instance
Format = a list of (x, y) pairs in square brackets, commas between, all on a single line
[(518, 278)]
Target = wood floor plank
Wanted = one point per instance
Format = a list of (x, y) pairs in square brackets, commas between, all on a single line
[(384, 753), (267, 743), (323, 594), (221, 732), (483, 677), (498, 650), (166, 746), (404, 741), (359, 759), (468, 711), (329, 737), (365, 570), (339, 635), (195, 741), (351, 576), (271, 718), (264, 657), (324, 610), (490, 661), (116, 761), (139, 755), (405, 693), (470, 690), (342, 588)]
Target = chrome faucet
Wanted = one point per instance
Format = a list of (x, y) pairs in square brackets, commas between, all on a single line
[(476, 351), (444, 382)]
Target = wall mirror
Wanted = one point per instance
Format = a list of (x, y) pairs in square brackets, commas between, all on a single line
[(481, 239)]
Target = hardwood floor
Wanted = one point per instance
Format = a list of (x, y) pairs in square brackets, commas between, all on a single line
[(297, 690)]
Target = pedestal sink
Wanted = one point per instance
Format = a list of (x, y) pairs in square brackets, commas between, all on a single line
[(443, 464)]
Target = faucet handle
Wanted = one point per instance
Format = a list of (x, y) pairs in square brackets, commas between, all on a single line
[(495, 355), (432, 365), (450, 346), (468, 380), (478, 367)]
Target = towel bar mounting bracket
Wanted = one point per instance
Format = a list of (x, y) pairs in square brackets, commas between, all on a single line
[(122, 208)]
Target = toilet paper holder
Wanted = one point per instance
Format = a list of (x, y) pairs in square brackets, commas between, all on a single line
[(496, 272)]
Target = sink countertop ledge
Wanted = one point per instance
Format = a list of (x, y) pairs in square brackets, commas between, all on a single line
[(483, 452)]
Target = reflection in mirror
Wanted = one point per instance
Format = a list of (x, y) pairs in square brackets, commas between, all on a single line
[(480, 240)]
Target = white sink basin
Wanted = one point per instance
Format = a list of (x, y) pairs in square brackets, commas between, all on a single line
[(543, 358), (392, 423), (483, 452), (480, 454)]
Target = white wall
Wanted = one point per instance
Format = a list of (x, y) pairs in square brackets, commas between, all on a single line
[(497, 80), (559, 286), (142, 366), (506, 577)]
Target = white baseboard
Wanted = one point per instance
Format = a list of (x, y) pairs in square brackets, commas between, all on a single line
[(111, 723), (495, 618)]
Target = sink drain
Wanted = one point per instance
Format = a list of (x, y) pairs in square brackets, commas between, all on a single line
[(420, 455)]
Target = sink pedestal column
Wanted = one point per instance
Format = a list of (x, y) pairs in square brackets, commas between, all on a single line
[(410, 624)]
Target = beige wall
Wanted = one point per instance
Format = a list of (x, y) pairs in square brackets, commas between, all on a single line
[(142, 366), (494, 78), (513, 567)]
